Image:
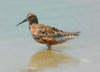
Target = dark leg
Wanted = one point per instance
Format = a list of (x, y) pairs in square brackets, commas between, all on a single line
[(49, 46)]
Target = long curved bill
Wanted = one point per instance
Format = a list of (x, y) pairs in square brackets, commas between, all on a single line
[(21, 22)]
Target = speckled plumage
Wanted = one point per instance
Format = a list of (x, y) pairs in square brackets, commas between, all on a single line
[(47, 34)]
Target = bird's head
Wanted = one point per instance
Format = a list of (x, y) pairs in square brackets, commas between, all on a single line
[(31, 18)]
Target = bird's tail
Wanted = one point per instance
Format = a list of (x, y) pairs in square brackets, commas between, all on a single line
[(67, 36), (71, 35), (76, 33)]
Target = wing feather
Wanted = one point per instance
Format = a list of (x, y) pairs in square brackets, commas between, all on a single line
[(48, 31)]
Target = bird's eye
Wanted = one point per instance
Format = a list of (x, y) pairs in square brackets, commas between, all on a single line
[(30, 17)]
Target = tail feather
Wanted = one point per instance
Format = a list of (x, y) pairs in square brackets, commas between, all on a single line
[(71, 35), (68, 36), (76, 34)]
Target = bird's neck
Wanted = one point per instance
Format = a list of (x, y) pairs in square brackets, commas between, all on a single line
[(33, 22)]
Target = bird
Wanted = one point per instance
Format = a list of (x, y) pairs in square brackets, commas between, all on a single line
[(46, 34)]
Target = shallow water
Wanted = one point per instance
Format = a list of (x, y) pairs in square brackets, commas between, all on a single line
[(20, 53)]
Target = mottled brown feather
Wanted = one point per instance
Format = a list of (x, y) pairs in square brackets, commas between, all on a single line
[(47, 34)]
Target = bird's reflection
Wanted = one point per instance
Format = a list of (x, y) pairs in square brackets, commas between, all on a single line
[(47, 58)]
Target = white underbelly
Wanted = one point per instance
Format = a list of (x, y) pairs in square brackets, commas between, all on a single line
[(64, 38)]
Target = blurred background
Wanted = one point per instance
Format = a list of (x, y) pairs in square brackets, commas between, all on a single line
[(19, 52)]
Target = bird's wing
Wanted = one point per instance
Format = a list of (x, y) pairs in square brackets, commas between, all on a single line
[(48, 31)]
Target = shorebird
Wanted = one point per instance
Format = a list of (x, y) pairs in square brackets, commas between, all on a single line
[(47, 34)]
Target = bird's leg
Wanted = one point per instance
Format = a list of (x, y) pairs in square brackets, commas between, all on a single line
[(49, 47)]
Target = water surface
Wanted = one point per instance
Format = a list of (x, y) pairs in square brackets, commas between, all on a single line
[(17, 48)]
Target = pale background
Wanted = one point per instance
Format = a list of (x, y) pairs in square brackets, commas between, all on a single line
[(17, 45)]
